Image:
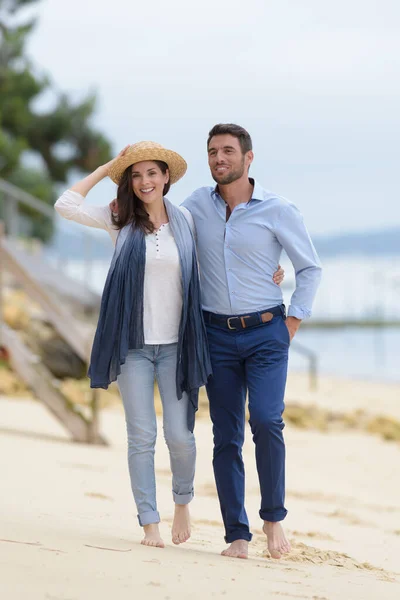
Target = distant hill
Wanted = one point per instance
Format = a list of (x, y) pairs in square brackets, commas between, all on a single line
[(371, 243)]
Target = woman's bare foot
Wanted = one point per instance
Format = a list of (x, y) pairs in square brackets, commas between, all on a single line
[(238, 549), (277, 542), (152, 536), (181, 525)]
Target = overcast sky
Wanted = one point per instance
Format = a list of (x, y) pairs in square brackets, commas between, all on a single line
[(317, 84)]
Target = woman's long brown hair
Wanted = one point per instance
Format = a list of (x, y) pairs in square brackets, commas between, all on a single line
[(130, 208)]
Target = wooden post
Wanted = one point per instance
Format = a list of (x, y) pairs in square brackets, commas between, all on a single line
[(11, 216), (39, 379), (93, 434), (313, 374)]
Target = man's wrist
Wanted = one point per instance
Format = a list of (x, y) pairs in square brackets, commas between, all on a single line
[(293, 324), (294, 319)]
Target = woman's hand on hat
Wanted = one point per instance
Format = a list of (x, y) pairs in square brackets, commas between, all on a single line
[(106, 167), (84, 186)]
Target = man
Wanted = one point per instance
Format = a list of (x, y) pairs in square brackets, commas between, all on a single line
[(241, 231)]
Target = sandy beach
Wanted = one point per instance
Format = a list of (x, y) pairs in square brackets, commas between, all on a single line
[(68, 528)]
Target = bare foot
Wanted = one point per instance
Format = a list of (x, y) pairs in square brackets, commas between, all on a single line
[(238, 549), (277, 542), (181, 525), (152, 536)]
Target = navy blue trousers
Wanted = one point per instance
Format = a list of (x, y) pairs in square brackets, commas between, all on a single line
[(252, 361)]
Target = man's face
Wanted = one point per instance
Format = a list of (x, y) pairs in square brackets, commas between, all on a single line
[(225, 158)]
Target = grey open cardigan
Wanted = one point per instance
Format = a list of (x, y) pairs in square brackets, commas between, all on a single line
[(120, 325)]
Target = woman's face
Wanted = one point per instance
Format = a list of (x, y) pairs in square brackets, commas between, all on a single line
[(148, 181)]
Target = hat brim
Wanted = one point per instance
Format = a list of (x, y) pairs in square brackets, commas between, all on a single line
[(176, 164)]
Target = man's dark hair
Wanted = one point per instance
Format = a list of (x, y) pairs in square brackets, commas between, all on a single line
[(238, 132)]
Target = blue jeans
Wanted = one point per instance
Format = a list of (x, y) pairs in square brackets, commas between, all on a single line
[(136, 384), (252, 360)]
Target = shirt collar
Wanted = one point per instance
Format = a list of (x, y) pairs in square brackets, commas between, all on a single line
[(258, 191)]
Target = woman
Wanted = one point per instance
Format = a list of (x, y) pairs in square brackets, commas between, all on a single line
[(150, 323)]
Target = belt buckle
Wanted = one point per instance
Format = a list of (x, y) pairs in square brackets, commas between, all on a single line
[(229, 323), (241, 319)]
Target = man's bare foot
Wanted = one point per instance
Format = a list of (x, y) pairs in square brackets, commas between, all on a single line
[(277, 542), (181, 525), (152, 536), (238, 549)]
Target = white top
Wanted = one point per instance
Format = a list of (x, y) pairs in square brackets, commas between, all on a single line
[(162, 279)]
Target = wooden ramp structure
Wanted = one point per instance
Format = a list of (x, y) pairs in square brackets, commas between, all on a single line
[(39, 280), (29, 367), (41, 381)]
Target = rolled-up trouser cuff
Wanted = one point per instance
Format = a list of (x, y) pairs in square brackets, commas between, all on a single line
[(149, 517), (273, 516), (238, 535), (182, 498)]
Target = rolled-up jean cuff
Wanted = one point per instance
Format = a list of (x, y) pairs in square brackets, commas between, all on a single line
[(273, 516), (182, 498), (238, 535), (149, 517)]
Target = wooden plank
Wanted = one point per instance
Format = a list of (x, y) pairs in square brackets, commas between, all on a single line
[(53, 278), (29, 368), (39, 379), (20, 196), (61, 319)]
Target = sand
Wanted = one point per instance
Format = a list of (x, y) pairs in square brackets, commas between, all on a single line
[(68, 528)]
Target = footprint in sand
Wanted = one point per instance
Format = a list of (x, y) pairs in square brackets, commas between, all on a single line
[(84, 467), (50, 597), (288, 595), (317, 535), (153, 560), (109, 549), (301, 553), (337, 500), (99, 496), (345, 517), (19, 542), (207, 522), (207, 489)]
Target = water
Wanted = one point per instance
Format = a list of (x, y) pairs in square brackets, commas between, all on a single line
[(368, 354), (354, 287), (351, 288)]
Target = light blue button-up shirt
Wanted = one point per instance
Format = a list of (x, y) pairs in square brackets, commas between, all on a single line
[(238, 257)]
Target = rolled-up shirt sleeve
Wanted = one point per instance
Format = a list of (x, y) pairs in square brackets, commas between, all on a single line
[(294, 238)]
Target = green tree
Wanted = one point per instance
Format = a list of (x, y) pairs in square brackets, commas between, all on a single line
[(63, 137)]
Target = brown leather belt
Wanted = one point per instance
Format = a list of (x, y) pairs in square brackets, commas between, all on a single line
[(239, 322)]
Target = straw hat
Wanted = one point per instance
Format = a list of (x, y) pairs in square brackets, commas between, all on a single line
[(149, 151)]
